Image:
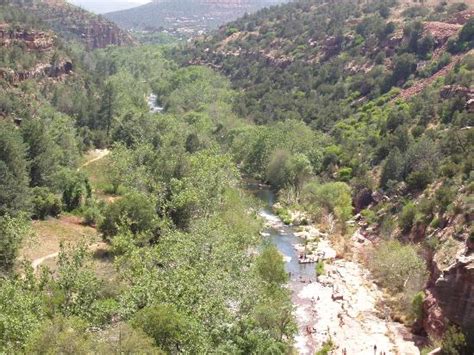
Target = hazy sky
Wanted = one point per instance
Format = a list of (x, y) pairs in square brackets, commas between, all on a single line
[(102, 6)]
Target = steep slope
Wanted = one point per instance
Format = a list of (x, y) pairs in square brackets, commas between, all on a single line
[(389, 89), (185, 18), (74, 23)]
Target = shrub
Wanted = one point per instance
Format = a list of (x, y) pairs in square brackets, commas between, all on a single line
[(418, 180), (407, 217), (92, 215), (417, 306), (319, 268), (334, 197), (345, 174), (164, 324), (61, 336), (45, 203), (453, 342), (135, 212), (396, 265)]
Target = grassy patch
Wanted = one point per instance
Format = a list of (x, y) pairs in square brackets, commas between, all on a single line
[(50, 233)]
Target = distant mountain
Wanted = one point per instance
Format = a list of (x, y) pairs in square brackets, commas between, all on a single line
[(186, 17), (101, 7)]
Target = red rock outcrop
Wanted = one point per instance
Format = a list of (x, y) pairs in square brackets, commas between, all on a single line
[(34, 40)]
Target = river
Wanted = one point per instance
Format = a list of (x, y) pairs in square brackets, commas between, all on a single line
[(152, 104), (342, 306)]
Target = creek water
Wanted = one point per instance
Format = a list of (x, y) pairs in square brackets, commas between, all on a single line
[(151, 101), (281, 235), (352, 321)]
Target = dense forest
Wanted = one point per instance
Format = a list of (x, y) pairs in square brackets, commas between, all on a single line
[(126, 230)]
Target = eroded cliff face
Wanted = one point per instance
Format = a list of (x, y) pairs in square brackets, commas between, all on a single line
[(72, 22), (451, 297), (39, 41), (450, 291)]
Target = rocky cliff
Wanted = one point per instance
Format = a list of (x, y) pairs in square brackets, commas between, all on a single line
[(72, 22)]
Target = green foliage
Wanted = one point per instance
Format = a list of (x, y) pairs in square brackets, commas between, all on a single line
[(75, 189), (165, 325), (128, 341), (392, 168), (453, 342), (61, 336), (45, 203), (76, 290), (134, 211), (271, 267), (319, 268), (396, 265), (43, 154), (21, 313), (407, 217), (334, 197), (12, 231), (13, 171), (417, 305), (327, 347)]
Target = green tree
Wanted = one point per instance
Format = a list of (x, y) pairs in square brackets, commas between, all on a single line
[(392, 169), (271, 267), (333, 197), (165, 325), (12, 232), (13, 171), (107, 107), (43, 154), (396, 266), (454, 342), (134, 211), (21, 313), (61, 336)]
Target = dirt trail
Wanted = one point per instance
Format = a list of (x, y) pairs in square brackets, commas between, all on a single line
[(36, 263), (97, 154)]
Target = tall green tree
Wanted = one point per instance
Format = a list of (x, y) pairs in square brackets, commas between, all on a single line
[(43, 154), (13, 171)]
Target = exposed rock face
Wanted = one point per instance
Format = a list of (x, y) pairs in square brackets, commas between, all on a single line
[(72, 22), (34, 40), (454, 291), (434, 321), (40, 71)]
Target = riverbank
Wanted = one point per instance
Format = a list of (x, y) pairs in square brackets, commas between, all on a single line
[(343, 305)]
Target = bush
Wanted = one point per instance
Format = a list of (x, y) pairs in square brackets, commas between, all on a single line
[(334, 197), (319, 268), (61, 336), (454, 342), (92, 214), (135, 212), (45, 203), (418, 180), (407, 217), (164, 324), (396, 265), (129, 341), (345, 174), (12, 232)]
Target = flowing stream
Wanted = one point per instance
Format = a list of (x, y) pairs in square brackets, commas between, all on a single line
[(151, 101), (342, 306)]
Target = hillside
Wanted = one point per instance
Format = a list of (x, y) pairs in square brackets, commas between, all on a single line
[(74, 23), (386, 87), (185, 18), (298, 181)]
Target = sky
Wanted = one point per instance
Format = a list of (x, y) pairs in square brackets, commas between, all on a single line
[(103, 6)]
